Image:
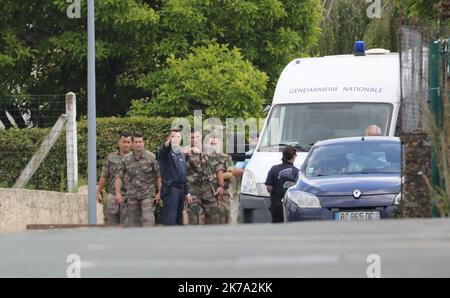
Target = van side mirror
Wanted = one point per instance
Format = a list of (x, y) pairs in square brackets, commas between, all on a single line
[(267, 109)]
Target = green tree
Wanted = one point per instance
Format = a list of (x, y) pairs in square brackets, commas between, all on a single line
[(344, 22), (269, 33), (42, 51), (14, 52), (425, 10), (384, 32), (214, 79), (52, 48), (125, 39)]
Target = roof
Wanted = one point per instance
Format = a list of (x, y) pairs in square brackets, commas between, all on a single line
[(349, 78), (358, 140)]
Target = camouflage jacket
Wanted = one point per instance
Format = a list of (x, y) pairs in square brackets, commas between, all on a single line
[(202, 168), (110, 170), (139, 173), (226, 164)]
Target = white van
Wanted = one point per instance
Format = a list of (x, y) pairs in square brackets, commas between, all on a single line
[(316, 99)]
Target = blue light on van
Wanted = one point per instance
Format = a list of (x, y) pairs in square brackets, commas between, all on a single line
[(360, 48)]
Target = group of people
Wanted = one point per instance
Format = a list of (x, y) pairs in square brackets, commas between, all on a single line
[(194, 183)]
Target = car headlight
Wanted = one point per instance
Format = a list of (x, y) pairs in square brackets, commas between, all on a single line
[(303, 199), (249, 183), (398, 199)]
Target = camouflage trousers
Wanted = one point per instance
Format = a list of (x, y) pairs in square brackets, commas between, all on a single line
[(141, 211), (224, 202), (235, 190), (204, 208), (115, 214)]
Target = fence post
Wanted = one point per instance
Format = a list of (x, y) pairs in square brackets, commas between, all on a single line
[(71, 141), (42, 152)]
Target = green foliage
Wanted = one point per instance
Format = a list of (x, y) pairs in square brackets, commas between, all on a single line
[(269, 33), (214, 79), (420, 9), (40, 39), (440, 139), (82, 181), (17, 146), (432, 14), (384, 32), (137, 37), (154, 130), (346, 21)]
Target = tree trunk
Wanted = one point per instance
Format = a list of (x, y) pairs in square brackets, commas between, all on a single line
[(110, 106)]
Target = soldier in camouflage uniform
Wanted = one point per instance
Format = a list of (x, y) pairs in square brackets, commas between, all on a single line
[(219, 158), (113, 212), (139, 172), (202, 171)]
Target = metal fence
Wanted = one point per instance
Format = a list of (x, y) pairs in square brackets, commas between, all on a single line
[(414, 78), (424, 64), (26, 111), (57, 112)]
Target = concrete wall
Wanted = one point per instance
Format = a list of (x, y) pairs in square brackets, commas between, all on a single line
[(20, 207)]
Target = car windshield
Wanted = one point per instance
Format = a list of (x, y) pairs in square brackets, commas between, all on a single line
[(302, 125), (361, 158)]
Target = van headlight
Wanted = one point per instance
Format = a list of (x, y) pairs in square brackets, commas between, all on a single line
[(303, 199), (398, 199), (249, 183)]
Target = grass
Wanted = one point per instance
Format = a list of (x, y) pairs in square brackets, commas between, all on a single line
[(440, 139), (82, 181)]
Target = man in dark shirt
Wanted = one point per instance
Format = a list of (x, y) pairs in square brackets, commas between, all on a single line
[(274, 186), (173, 174)]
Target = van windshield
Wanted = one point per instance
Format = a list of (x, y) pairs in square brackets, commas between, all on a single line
[(302, 125)]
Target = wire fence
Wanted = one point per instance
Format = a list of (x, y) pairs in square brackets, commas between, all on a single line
[(27, 111), (414, 77), (421, 57), (23, 151)]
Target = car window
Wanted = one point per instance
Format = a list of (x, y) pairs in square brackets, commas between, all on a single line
[(354, 158)]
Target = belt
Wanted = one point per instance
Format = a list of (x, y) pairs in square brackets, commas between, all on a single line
[(179, 185)]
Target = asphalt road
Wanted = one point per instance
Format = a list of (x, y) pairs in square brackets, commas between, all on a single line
[(407, 248)]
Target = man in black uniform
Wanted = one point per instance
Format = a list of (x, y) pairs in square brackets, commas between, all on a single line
[(174, 183), (274, 186)]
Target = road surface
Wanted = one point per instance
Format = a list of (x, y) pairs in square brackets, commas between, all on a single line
[(406, 248)]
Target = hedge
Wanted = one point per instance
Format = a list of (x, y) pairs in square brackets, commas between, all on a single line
[(17, 146)]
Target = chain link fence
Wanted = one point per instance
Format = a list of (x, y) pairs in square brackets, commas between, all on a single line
[(414, 78), (27, 111)]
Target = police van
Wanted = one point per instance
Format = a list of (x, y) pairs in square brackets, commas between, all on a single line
[(316, 99)]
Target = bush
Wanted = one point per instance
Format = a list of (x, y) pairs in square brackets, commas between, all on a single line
[(214, 79), (17, 146)]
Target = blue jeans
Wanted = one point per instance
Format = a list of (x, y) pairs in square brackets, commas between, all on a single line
[(173, 204)]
